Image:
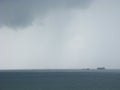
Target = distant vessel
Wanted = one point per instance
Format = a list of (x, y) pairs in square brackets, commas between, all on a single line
[(101, 68)]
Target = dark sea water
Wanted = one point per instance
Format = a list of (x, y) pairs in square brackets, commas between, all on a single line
[(60, 80)]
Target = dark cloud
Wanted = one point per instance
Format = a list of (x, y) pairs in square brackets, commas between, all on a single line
[(20, 13)]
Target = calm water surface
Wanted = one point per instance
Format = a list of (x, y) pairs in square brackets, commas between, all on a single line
[(60, 80)]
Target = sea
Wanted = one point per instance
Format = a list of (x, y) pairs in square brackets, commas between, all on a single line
[(60, 80)]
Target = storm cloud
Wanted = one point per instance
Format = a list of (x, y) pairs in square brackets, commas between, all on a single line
[(59, 34), (21, 13)]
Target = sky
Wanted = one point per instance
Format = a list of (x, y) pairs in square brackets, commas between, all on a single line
[(59, 34)]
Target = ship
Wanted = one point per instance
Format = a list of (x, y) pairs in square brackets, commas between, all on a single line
[(101, 68)]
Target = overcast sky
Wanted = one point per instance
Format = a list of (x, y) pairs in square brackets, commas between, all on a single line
[(59, 34)]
